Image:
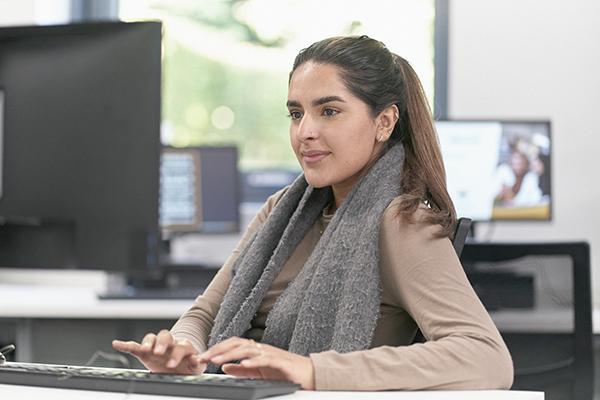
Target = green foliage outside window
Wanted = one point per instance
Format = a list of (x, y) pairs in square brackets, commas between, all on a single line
[(226, 62)]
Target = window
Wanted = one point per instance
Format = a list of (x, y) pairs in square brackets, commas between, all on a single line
[(226, 62), (34, 12)]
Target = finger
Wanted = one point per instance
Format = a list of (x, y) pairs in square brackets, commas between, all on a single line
[(163, 342), (222, 347), (127, 347), (239, 353), (120, 345), (180, 350), (240, 371), (275, 359), (192, 361), (148, 342), (260, 362), (194, 366)]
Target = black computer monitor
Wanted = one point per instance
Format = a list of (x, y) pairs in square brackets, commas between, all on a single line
[(1, 135), (81, 145), (199, 190), (498, 169)]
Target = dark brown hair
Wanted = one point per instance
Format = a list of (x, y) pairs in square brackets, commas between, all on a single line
[(381, 79)]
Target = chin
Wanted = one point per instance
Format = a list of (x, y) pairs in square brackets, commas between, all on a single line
[(316, 181)]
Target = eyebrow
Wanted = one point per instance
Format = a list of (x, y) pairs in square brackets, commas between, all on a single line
[(317, 102)]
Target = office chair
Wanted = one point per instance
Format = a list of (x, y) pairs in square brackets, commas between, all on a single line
[(461, 231)]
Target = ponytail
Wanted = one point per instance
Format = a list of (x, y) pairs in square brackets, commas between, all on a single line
[(424, 175)]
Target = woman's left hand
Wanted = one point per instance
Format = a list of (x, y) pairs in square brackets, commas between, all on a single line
[(260, 361)]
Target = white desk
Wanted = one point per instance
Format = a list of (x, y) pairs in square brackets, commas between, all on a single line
[(40, 301), (14, 392)]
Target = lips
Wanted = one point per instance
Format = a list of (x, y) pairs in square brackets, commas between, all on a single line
[(313, 156)]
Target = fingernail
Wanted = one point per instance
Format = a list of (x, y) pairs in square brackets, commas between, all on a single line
[(159, 349), (217, 358), (246, 362), (146, 345), (172, 363)]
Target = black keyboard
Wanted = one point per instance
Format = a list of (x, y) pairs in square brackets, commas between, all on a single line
[(140, 381)]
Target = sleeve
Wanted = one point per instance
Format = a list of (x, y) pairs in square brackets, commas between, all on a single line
[(464, 350), (196, 323)]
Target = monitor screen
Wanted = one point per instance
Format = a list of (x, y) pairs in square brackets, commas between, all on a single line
[(259, 184), (498, 170), (81, 138), (199, 190)]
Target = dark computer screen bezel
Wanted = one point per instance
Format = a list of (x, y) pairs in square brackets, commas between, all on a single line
[(2, 101)]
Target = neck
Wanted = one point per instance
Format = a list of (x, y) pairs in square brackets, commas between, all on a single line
[(339, 194), (341, 189)]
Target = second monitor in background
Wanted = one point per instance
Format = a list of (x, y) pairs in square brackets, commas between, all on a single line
[(199, 190), (498, 170)]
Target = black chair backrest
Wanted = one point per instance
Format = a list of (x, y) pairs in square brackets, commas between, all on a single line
[(463, 225)]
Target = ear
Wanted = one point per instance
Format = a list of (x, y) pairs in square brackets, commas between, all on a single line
[(386, 121)]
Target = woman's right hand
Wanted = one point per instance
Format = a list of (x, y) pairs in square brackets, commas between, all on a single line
[(163, 353)]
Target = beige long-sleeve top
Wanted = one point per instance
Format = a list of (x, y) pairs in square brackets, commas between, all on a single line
[(423, 285)]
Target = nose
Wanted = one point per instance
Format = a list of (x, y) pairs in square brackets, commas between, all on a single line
[(307, 128)]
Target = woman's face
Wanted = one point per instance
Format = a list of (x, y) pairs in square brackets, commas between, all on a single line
[(519, 163), (332, 131)]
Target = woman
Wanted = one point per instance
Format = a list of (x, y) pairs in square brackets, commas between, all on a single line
[(336, 271)]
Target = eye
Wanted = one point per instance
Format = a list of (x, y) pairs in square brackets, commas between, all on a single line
[(294, 115), (330, 112)]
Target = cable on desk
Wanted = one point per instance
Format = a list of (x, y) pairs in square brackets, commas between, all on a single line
[(122, 360), (5, 350)]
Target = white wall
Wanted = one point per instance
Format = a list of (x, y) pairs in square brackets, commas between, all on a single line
[(32, 12), (15, 12), (535, 59)]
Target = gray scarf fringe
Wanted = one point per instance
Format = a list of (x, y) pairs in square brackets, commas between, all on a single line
[(333, 303)]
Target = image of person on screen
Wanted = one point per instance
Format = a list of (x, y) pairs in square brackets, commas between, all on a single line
[(518, 184), (337, 270)]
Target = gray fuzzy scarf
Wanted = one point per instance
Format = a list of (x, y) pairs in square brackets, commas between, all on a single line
[(333, 303)]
